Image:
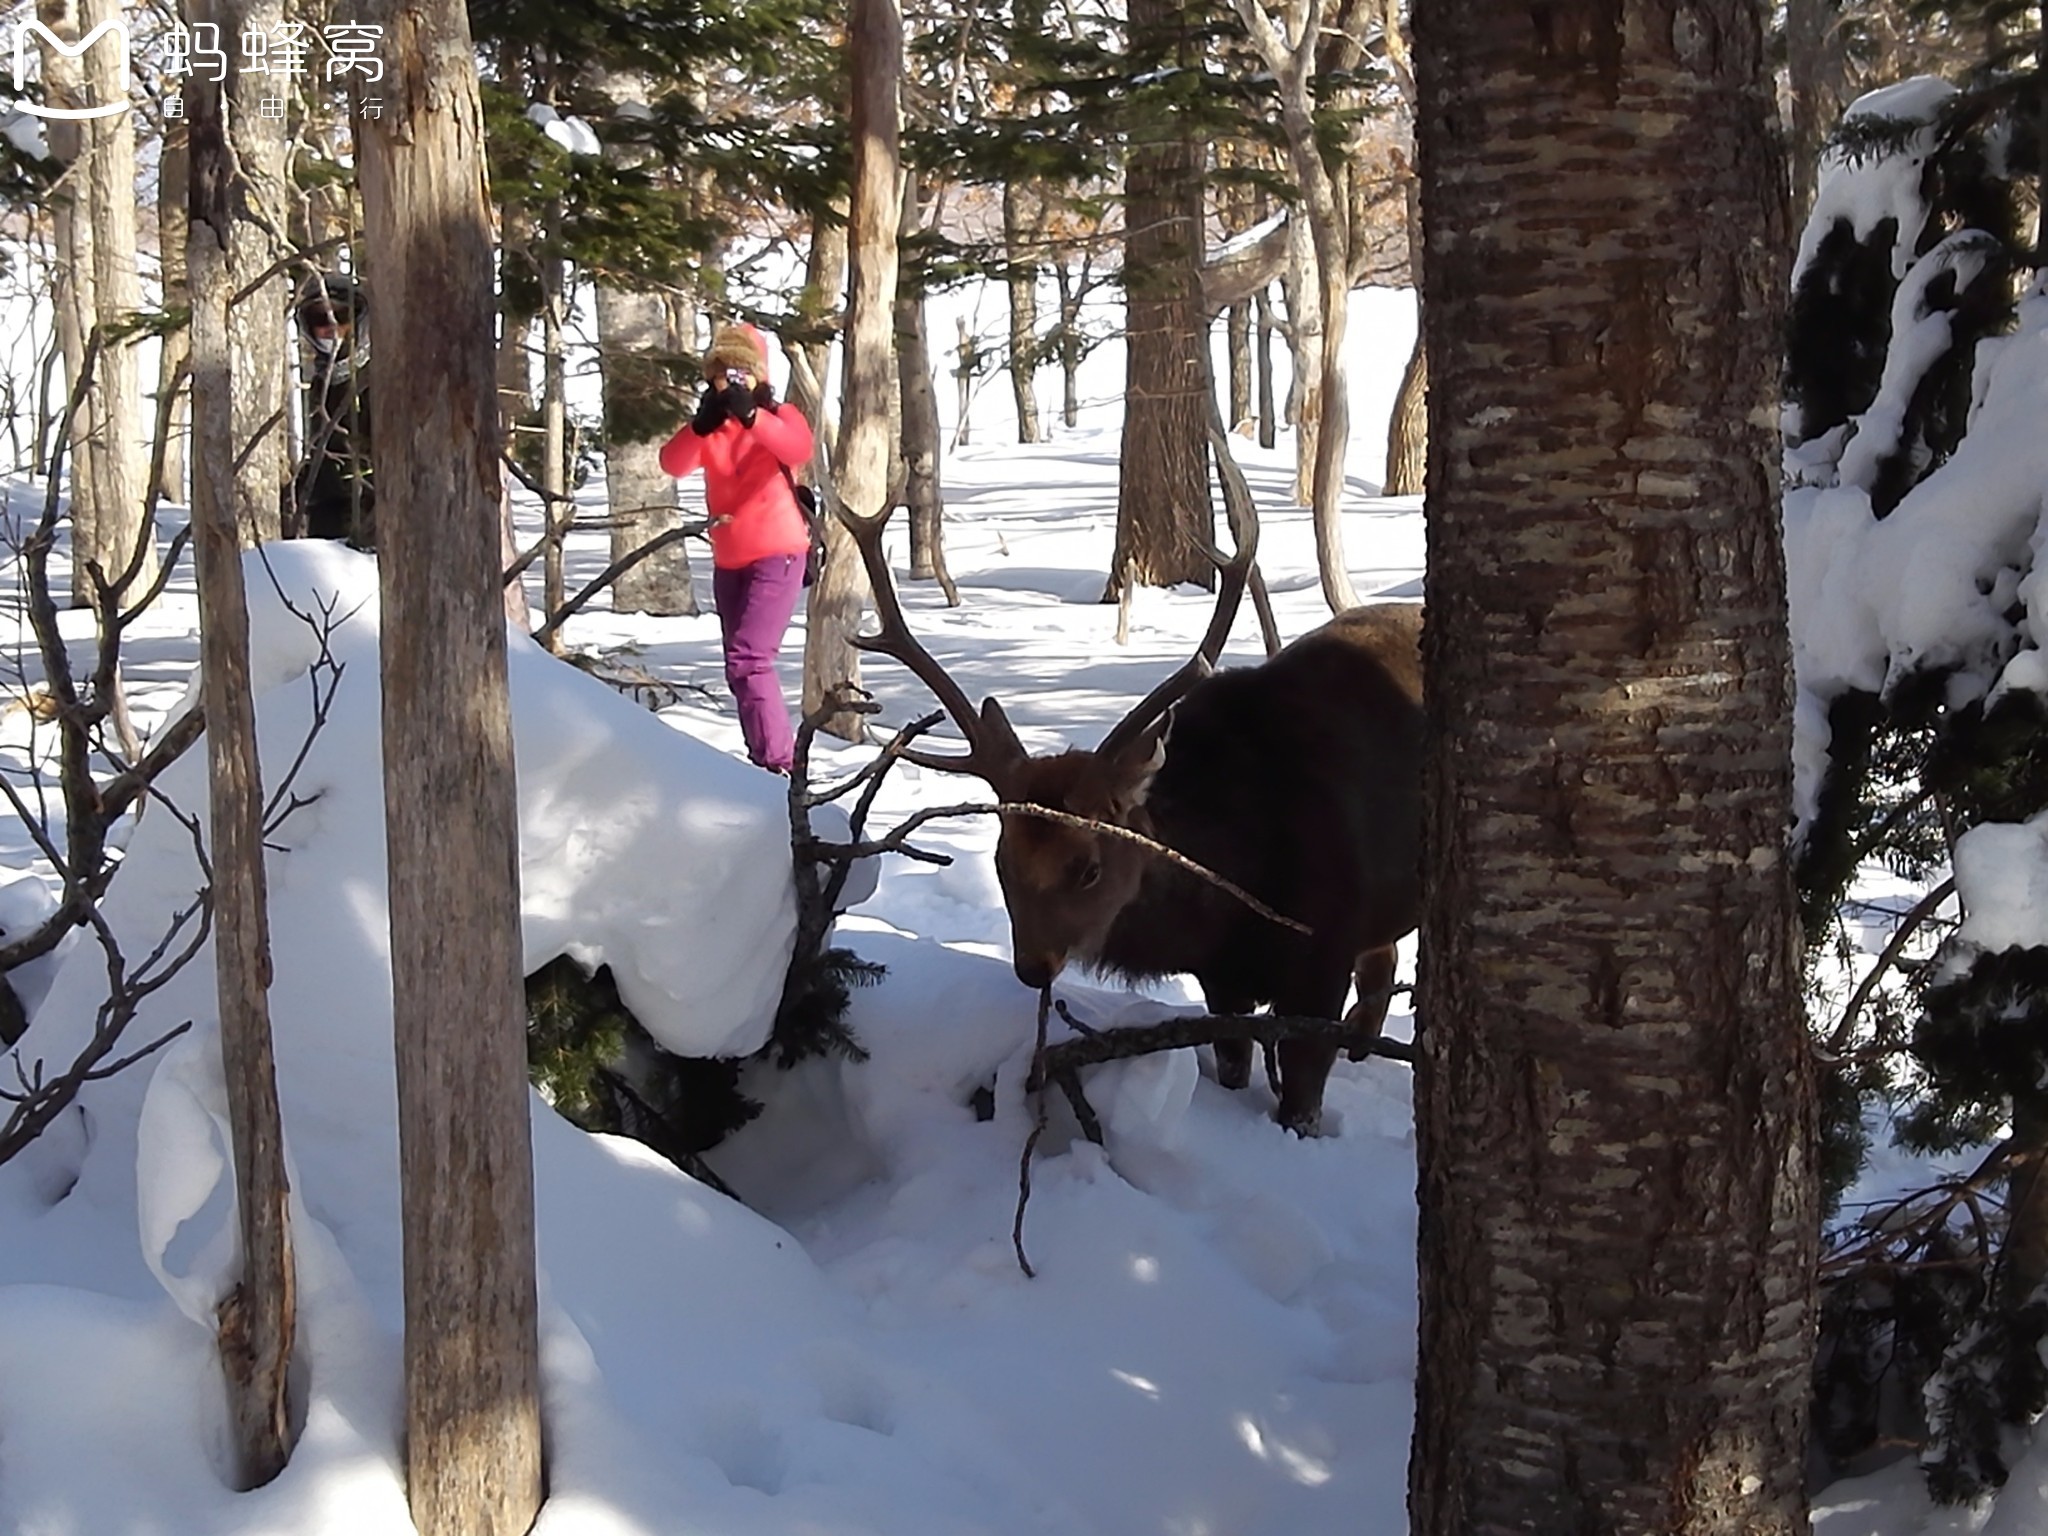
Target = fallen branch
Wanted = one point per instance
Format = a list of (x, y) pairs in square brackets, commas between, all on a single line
[(612, 573)]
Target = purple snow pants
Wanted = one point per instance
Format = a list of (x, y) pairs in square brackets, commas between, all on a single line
[(755, 603)]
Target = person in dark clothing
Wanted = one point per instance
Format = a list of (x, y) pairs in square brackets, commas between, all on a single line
[(332, 493)]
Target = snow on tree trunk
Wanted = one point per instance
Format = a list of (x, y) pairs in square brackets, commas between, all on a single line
[(472, 1436), (258, 1319), (1614, 1093), (64, 86)]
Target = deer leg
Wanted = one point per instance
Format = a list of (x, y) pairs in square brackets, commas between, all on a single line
[(1374, 975), (1233, 1057), (1305, 1064)]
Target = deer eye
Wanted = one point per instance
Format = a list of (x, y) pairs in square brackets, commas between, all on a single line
[(1087, 874)]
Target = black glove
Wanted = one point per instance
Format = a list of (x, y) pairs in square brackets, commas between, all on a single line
[(764, 395), (739, 403), (711, 413)]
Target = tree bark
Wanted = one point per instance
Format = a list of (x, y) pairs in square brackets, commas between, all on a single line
[(633, 342), (1408, 426), (174, 184), (923, 498), (1408, 429), (1817, 74), (119, 444), (471, 1347), (1072, 289), (632, 331), (259, 1317), (1269, 404), (554, 425), (874, 214), (1164, 517), (1021, 280), (1288, 45), (1614, 1095)]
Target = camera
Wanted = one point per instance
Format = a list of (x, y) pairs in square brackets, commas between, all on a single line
[(735, 375)]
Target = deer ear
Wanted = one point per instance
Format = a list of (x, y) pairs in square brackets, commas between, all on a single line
[(1001, 732), (1134, 766)]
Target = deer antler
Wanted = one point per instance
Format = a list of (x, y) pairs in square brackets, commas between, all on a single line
[(992, 745), (1233, 575)]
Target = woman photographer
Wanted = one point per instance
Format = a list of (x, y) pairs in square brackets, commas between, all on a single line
[(746, 444)]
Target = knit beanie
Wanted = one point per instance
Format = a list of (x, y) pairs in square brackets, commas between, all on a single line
[(737, 346)]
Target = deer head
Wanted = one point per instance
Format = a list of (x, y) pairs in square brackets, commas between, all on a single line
[(1064, 884)]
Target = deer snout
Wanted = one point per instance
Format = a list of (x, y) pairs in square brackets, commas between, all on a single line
[(1037, 971)]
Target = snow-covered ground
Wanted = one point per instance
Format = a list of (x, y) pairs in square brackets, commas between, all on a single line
[(1220, 1337)]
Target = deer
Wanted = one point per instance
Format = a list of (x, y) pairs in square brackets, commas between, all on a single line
[(1298, 780)]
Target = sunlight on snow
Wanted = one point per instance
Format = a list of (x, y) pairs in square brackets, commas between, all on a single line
[(1299, 1465)]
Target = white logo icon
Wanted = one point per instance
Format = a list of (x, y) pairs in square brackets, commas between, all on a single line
[(22, 32)]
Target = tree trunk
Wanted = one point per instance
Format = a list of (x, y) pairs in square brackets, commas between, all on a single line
[(1068, 342), (1408, 425), (472, 1374), (255, 331), (923, 498), (964, 370), (554, 428), (639, 416), (1164, 517), (1239, 333), (1269, 405), (874, 215), (259, 1317), (1817, 74), (174, 182), (1614, 1095), (72, 228), (2023, 1261), (1022, 282), (119, 443), (824, 278), (1408, 429)]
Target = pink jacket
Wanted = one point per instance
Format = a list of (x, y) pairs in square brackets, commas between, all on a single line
[(753, 513)]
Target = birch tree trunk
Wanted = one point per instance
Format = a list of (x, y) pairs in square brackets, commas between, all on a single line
[(1614, 1092), (1288, 48), (472, 1441), (258, 1319)]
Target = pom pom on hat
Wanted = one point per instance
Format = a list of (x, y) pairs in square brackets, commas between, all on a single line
[(737, 346)]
